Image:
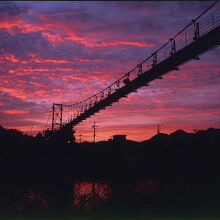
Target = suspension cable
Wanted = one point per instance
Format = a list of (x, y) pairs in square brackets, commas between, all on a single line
[(48, 120), (207, 9)]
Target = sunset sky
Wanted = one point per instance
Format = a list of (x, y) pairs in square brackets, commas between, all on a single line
[(63, 52)]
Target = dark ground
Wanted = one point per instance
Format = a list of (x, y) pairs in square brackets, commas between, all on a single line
[(184, 166)]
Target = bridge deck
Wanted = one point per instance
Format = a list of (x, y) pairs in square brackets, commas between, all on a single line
[(189, 52)]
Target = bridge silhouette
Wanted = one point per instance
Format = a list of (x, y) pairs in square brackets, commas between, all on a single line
[(198, 37)]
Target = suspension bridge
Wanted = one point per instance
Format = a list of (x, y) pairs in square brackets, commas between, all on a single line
[(198, 37)]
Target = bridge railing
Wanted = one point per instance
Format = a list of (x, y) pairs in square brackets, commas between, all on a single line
[(193, 31)]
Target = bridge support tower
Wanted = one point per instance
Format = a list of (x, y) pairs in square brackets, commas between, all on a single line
[(57, 116)]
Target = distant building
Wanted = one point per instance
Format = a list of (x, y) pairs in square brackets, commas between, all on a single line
[(119, 138)]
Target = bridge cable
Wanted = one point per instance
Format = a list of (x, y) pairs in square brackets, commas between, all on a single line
[(48, 119), (212, 5)]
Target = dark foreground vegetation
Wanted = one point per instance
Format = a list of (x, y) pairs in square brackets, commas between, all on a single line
[(176, 173)]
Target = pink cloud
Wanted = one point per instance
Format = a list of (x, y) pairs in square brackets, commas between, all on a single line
[(14, 111)]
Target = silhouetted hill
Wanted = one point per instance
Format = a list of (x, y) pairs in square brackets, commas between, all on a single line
[(209, 131), (157, 138)]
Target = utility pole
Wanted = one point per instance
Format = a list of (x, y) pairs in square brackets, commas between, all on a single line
[(80, 138), (158, 129), (94, 131)]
